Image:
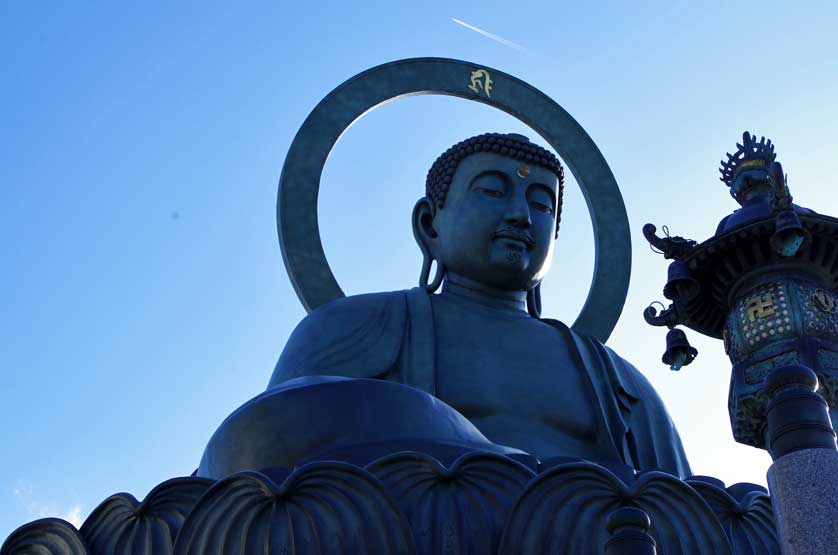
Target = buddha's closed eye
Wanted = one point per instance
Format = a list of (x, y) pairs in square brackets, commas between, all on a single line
[(494, 193), (541, 207)]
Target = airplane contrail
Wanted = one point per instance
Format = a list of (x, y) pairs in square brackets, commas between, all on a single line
[(487, 34)]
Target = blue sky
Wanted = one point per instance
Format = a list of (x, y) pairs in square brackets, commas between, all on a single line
[(143, 292)]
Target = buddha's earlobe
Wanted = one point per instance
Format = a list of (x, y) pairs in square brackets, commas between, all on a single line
[(534, 301), (425, 235)]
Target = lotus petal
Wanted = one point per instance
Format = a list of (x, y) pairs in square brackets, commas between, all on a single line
[(454, 510), (564, 510), (47, 536), (321, 508), (748, 520), (120, 524)]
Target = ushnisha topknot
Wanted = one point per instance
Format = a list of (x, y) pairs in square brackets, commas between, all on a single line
[(509, 144)]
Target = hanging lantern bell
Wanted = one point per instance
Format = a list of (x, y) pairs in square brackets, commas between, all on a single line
[(789, 235), (680, 283), (678, 352)]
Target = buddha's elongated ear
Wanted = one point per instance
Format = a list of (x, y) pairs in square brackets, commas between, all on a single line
[(534, 301), (426, 237)]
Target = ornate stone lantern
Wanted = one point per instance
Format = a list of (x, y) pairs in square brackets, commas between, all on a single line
[(765, 284)]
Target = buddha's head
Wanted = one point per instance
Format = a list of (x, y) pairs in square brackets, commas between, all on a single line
[(491, 212)]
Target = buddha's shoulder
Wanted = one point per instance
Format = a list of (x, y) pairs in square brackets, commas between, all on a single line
[(341, 315), (356, 336)]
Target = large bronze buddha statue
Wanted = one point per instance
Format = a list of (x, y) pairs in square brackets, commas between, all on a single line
[(471, 337), (452, 417)]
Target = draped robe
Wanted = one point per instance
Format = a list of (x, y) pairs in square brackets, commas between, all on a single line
[(392, 336)]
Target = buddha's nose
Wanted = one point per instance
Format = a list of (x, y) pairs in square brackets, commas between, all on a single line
[(518, 213)]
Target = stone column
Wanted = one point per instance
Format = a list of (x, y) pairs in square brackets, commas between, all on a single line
[(804, 477)]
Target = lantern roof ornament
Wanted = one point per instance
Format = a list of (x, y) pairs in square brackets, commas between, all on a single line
[(750, 153)]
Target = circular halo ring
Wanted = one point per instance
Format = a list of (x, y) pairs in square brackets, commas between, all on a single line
[(299, 184)]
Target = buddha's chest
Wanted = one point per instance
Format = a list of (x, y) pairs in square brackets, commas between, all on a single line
[(515, 370)]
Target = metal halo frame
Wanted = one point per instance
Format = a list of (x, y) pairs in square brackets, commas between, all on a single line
[(299, 184)]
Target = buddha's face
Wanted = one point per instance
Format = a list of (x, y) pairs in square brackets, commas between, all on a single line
[(498, 223)]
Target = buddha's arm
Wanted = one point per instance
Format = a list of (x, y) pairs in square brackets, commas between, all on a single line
[(654, 440), (357, 337)]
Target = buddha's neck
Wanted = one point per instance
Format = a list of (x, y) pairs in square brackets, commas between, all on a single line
[(486, 295)]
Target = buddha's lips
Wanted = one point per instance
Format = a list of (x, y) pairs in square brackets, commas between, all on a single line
[(517, 235)]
